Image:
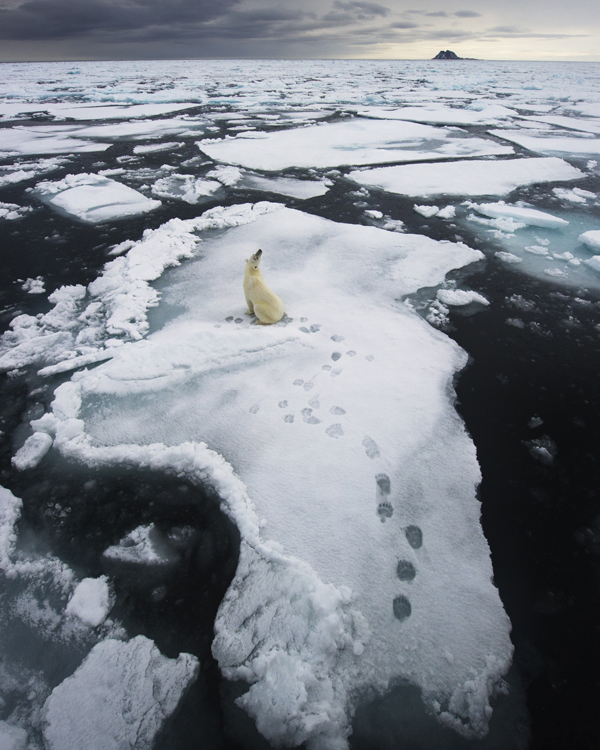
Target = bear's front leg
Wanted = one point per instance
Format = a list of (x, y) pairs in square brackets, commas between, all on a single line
[(250, 310)]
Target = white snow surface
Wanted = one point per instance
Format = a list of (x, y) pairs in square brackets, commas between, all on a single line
[(119, 697), (365, 477), (591, 240), (94, 199), (144, 545), (521, 214), (476, 177), (91, 601), (12, 738), (546, 142), (358, 141), (443, 115), (460, 297)]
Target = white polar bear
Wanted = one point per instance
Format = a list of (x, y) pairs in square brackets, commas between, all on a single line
[(262, 302)]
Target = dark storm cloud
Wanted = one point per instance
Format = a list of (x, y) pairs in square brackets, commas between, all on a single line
[(59, 19)]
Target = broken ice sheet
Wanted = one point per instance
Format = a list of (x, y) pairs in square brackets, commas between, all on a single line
[(361, 473), (93, 199), (466, 177), (353, 142), (133, 690)]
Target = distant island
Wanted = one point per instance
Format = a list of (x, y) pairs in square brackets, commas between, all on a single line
[(449, 55)]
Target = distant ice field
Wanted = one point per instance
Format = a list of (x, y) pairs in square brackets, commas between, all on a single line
[(379, 191)]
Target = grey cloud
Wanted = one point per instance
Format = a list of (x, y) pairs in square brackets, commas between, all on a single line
[(438, 14), (467, 14), (404, 25), (59, 19)]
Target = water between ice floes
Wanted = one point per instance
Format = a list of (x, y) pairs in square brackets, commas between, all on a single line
[(362, 565)]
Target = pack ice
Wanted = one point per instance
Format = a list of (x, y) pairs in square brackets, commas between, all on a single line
[(358, 141), (332, 440)]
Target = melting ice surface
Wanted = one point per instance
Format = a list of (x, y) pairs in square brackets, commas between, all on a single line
[(331, 437)]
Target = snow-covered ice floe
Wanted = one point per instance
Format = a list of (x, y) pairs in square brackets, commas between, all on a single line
[(468, 178), (119, 697), (93, 198), (362, 559), (549, 142), (358, 141), (443, 115)]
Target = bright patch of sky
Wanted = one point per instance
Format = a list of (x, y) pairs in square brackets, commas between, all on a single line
[(122, 29)]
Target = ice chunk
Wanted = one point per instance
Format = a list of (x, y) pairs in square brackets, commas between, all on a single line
[(185, 187), (10, 511), (94, 199), (459, 297), (155, 147), (11, 211), (543, 143), (466, 177), (12, 738), (577, 195), (90, 110), (34, 286), (302, 621), (427, 211), (33, 450), (119, 697), (143, 546), (301, 189), (356, 141), (508, 257), (591, 240), (91, 601), (526, 216), (443, 115), (28, 141)]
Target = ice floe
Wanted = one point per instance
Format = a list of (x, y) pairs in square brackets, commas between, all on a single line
[(12, 211), (460, 297), (94, 199), (476, 177), (25, 170), (21, 140), (91, 602), (185, 187), (591, 240), (89, 110), (392, 471), (119, 697), (550, 143), (519, 214), (12, 738), (442, 115), (358, 141)]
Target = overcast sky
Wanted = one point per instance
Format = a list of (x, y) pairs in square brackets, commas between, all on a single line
[(147, 29)]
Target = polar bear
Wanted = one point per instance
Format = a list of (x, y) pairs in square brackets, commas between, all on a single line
[(262, 302)]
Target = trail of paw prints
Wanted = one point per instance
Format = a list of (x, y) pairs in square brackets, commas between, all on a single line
[(406, 572), (384, 488)]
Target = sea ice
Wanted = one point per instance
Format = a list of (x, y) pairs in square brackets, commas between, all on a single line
[(90, 110), (358, 141), (365, 477), (542, 143), (94, 199), (442, 115), (20, 140), (143, 546), (12, 738), (591, 240), (524, 216), (11, 211), (185, 187), (466, 177), (459, 297), (91, 601), (120, 697)]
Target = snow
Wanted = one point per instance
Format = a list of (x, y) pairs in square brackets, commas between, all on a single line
[(185, 187), (442, 115), (34, 286), (91, 602), (27, 141), (522, 215), (544, 143), (142, 546), (459, 297), (32, 451), (353, 142), (443, 213), (12, 738), (12, 211), (94, 199), (591, 240), (90, 110), (153, 148), (466, 177), (119, 697), (392, 471)]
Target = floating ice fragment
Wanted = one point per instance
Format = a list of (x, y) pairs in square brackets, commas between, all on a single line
[(119, 697), (427, 211), (185, 187), (94, 199), (527, 216), (459, 297), (155, 147), (466, 177), (91, 601), (32, 451), (12, 738), (145, 545), (34, 286), (591, 240), (508, 257), (12, 211)]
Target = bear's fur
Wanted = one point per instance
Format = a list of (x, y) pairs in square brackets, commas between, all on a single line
[(262, 302)]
